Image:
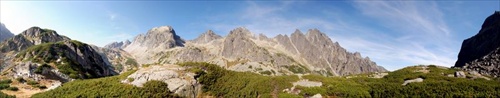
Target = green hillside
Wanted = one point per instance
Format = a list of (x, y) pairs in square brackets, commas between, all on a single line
[(230, 84)]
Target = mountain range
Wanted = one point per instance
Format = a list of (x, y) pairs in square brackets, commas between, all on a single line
[(241, 50), (215, 65)]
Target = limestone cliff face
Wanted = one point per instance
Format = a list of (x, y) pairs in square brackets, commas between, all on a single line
[(158, 39), (4, 33), (241, 50), (481, 52), (318, 50)]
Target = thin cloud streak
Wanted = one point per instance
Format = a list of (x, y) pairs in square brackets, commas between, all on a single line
[(423, 34), (416, 35)]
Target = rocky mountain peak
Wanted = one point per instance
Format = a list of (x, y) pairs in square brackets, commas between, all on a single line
[(263, 37), (315, 33), (118, 45), (162, 29), (162, 37), (481, 52), (297, 32), (156, 40), (30, 37), (127, 42), (357, 55), (4, 33), (44, 35), (492, 20), (240, 50), (240, 31), (207, 37)]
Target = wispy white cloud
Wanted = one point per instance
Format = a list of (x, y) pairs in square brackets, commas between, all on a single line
[(413, 32), (268, 19), (421, 34)]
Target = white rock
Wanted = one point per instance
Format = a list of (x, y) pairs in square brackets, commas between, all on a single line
[(413, 80)]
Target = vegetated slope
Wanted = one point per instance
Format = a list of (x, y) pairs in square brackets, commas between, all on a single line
[(481, 52), (73, 58), (437, 83), (313, 52), (108, 87), (219, 82)]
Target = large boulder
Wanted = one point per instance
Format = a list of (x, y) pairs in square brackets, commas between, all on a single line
[(179, 80)]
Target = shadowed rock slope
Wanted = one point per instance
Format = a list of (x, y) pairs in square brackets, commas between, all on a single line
[(481, 52), (4, 33)]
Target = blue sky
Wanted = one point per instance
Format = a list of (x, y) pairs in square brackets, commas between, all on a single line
[(392, 33)]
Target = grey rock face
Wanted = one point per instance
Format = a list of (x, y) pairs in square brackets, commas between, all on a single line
[(36, 46), (156, 40), (4, 33), (318, 50), (118, 45), (117, 58), (81, 57), (481, 52), (460, 74), (159, 37), (179, 80), (240, 50), (30, 37), (207, 37)]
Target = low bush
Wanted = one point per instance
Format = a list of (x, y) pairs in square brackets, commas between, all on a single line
[(13, 89)]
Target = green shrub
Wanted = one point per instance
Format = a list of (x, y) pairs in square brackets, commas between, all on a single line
[(6, 81), (3, 95), (131, 61), (30, 82), (20, 79), (13, 88), (267, 72), (107, 87), (40, 86), (231, 84), (156, 89), (39, 69), (4, 86), (297, 69)]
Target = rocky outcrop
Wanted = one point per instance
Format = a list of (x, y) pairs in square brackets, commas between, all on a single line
[(39, 53), (481, 52), (207, 37), (460, 74), (30, 37), (241, 50), (73, 58), (179, 80), (120, 60), (4, 33), (413, 81), (156, 40), (118, 45)]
